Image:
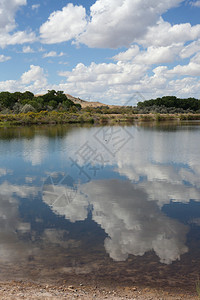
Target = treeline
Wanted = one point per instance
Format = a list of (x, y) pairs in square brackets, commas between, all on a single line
[(168, 103), (27, 102), (109, 110)]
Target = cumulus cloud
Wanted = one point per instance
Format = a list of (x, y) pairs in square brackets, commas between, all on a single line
[(190, 49), (27, 49), (195, 3), (153, 55), (4, 58), (53, 54), (119, 81), (33, 80), (165, 34), (103, 78), (64, 25), (7, 24), (118, 23), (35, 74), (196, 58), (135, 24), (128, 54), (192, 69), (109, 24), (162, 44), (7, 13), (19, 37)]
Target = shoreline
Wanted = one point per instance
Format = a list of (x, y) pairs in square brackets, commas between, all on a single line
[(87, 287), (65, 290), (54, 118)]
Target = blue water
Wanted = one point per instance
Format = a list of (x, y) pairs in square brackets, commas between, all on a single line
[(102, 201)]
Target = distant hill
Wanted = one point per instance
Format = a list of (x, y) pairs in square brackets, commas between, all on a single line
[(85, 103)]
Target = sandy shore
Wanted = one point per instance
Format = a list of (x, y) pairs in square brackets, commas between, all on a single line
[(29, 290)]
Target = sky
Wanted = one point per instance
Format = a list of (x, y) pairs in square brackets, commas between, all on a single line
[(112, 51)]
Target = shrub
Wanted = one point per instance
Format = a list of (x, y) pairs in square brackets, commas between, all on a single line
[(27, 108)]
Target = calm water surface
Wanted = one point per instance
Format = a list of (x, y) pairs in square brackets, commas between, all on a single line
[(102, 203)]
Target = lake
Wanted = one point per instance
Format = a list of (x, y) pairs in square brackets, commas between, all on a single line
[(119, 203)]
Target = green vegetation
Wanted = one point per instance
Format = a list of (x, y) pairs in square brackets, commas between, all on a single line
[(26, 102), (55, 108), (106, 110), (43, 117), (169, 104)]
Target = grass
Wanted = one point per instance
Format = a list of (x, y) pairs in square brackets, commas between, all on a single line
[(58, 117), (198, 287)]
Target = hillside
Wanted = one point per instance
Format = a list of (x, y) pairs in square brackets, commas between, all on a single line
[(85, 103)]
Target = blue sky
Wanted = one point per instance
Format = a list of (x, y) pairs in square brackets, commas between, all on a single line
[(110, 51)]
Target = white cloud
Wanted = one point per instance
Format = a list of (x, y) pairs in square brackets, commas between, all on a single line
[(41, 49), (119, 81), (9, 85), (35, 6), (53, 54), (103, 78), (192, 69), (126, 78), (196, 58), (190, 49), (34, 74), (122, 23), (50, 54), (158, 55), (153, 55), (27, 49), (4, 58), (20, 37), (164, 34), (61, 54), (128, 54), (111, 24), (7, 13), (7, 24), (118, 23), (64, 25), (33, 80), (195, 3)]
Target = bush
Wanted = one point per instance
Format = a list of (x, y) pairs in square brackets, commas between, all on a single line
[(27, 108)]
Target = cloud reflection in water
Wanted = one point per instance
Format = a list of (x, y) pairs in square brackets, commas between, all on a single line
[(134, 224)]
